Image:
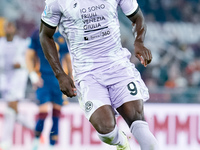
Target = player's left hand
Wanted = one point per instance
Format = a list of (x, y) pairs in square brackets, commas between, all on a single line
[(142, 53)]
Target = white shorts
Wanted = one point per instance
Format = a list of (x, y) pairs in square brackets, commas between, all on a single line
[(114, 87), (14, 86)]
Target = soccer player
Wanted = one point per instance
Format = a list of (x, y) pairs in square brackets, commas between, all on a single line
[(46, 84), (105, 79), (13, 80)]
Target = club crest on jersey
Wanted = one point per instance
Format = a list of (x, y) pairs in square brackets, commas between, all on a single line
[(75, 4), (88, 106)]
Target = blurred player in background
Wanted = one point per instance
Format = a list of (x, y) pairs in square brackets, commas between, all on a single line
[(47, 86), (105, 78), (13, 80)]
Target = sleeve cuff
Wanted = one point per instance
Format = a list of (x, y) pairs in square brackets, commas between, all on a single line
[(135, 12), (46, 24)]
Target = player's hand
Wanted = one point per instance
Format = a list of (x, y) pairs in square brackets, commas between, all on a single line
[(16, 66), (36, 80), (66, 85), (142, 53), (38, 84)]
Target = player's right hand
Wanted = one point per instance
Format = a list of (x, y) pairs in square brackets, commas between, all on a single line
[(142, 53), (38, 84), (66, 85), (36, 80), (16, 66)]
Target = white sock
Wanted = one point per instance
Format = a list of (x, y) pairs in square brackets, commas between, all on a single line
[(23, 120), (145, 138), (51, 147), (9, 122), (36, 143), (113, 138)]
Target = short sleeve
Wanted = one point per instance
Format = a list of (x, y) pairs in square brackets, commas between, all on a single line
[(52, 13), (128, 6)]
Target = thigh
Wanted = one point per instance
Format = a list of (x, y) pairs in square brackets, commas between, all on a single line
[(15, 89), (56, 95), (43, 95), (132, 111), (91, 95), (57, 107), (44, 108)]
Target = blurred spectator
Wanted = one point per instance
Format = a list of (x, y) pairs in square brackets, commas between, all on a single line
[(13, 81), (170, 10)]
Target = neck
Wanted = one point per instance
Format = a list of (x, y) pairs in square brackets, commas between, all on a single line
[(9, 37)]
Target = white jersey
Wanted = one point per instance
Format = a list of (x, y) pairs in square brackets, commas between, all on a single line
[(91, 29), (13, 81)]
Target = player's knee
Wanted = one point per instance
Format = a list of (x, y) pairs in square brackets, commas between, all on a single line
[(138, 114), (105, 127), (103, 119), (56, 106), (44, 107), (13, 106)]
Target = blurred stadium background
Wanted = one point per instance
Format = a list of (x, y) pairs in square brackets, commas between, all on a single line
[(173, 77)]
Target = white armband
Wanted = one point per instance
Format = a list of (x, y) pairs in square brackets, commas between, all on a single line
[(33, 77)]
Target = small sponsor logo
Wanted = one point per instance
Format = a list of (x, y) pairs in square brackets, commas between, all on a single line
[(88, 106)]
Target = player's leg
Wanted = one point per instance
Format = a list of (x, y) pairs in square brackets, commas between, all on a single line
[(43, 112), (43, 96), (133, 114), (128, 95), (12, 113), (12, 93), (8, 126), (103, 120), (53, 137), (57, 101), (95, 101), (18, 90)]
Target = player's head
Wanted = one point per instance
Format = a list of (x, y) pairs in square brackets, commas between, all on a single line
[(10, 28)]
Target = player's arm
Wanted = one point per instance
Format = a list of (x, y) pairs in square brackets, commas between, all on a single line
[(30, 57), (141, 52), (30, 65), (50, 52)]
